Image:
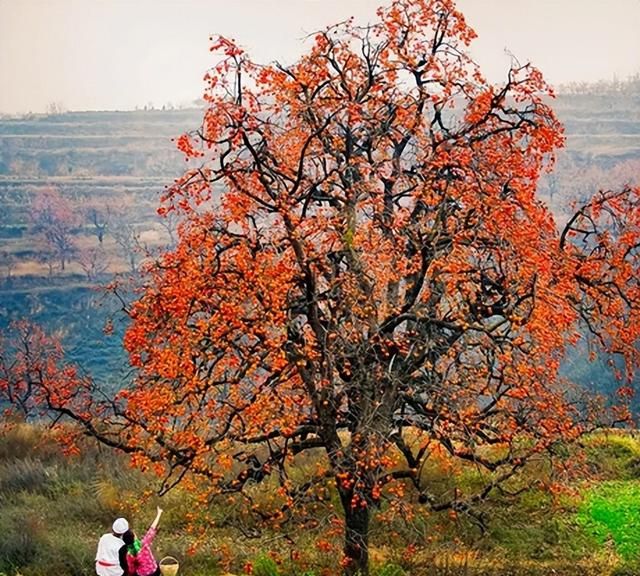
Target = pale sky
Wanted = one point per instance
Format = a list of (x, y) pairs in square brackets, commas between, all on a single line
[(118, 54)]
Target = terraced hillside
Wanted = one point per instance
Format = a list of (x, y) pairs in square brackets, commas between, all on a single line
[(603, 128), (105, 171), (98, 176), (108, 168)]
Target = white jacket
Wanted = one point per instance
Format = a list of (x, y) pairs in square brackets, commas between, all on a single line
[(107, 562)]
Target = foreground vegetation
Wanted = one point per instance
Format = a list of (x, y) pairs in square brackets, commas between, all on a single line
[(54, 509)]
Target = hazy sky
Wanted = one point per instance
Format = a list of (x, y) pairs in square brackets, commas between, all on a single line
[(118, 54)]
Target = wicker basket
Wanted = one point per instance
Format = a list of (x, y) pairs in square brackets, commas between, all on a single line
[(169, 566)]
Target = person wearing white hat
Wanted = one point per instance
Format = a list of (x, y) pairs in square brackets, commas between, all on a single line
[(111, 554)]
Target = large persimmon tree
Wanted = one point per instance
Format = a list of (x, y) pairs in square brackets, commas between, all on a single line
[(363, 270)]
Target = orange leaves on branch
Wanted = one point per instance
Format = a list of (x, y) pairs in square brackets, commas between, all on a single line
[(185, 145)]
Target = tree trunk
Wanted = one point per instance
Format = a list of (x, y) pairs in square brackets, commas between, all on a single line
[(356, 540)]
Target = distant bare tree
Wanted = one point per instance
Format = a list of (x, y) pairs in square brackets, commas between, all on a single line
[(93, 262), (125, 230), (169, 222), (127, 237), (56, 107), (98, 214), (8, 262), (48, 258), (53, 217)]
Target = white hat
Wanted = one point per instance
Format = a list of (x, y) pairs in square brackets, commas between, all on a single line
[(120, 526)]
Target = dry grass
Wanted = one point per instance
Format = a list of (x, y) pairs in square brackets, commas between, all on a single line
[(60, 506)]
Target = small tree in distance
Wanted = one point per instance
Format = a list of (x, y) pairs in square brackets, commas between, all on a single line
[(98, 214), (94, 262), (363, 270), (126, 231), (53, 217)]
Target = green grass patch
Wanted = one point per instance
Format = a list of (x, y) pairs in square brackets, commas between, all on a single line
[(611, 512)]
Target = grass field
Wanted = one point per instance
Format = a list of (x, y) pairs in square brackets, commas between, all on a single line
[(54, 508)]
